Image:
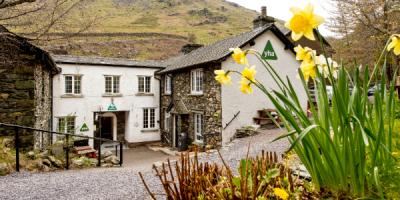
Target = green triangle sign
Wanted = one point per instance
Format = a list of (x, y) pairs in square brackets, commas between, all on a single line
[(112, 107), (269, 52), (84, 128)]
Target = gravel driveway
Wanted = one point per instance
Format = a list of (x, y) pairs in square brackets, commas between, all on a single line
[(118, 183)]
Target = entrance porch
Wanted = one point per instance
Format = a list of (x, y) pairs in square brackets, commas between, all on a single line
[(110, 125)]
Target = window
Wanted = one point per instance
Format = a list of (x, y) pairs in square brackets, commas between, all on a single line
[(66, 125), (198, 127), (144, 84), (168, 84), (73, 84), (197, 81), (167, 120), (112, 84), (149, 118)]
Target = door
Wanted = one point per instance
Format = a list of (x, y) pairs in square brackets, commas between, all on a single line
[(175, 131), (107, 127)]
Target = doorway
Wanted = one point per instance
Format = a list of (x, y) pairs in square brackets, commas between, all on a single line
[(107, 128)]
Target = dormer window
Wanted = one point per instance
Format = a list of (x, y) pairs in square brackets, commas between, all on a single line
[(197, 81)]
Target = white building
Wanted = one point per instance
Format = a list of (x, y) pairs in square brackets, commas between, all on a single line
[(124, 92)]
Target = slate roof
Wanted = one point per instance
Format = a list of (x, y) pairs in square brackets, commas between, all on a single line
[(220, 50), (87, 60), (24, 45)]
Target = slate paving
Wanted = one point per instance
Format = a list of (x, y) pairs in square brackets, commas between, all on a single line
[(120, 183)]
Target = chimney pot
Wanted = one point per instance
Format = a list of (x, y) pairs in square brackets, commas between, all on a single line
[(264, 11)]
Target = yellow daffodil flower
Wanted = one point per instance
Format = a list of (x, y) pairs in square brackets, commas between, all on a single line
[(305, 54), (309, 70), (395, 44), (249, 73), (303, 22), (245, 86), (239, 56), (222, 77), (281, 193)]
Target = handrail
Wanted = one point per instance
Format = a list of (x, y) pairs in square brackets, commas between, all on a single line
[(59, 133), (68, 135), (234, 117)]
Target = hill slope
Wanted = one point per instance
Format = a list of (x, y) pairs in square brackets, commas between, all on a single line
[(125, 28)]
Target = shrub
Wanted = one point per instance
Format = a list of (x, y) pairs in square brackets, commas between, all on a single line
[(258, 178)]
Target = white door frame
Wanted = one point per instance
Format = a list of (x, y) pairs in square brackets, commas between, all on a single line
[(114, 123), (173, 130)]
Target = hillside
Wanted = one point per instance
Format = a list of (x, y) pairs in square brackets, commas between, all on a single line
[(153, 29)]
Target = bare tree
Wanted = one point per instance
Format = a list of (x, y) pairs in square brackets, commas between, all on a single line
[(45, 20), (364, 27)]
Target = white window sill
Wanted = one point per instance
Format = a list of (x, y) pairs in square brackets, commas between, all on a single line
[(72, 96), (147, 130), (112, 95), (196, 94), (167, 93), (144, 94)]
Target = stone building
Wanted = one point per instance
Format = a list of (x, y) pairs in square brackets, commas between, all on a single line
[(193, 103), (26, 72), (120, 94)]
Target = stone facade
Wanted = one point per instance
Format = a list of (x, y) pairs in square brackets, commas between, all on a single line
[(208, 104), (25, 89)]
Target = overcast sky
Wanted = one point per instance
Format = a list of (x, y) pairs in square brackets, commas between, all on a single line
[(280, 8)]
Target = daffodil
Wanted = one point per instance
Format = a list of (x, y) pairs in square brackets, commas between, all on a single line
[(324, 64), (239, 56), (281, 193), (245, 86), (395, 44), (303, 22), (305, 54), (249, 73), (222, 77), (309, 70)]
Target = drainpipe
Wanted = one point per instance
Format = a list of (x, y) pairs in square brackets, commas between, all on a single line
[(51, 106)]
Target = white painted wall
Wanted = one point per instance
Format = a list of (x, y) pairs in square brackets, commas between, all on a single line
[(233, 100), (93, 88)]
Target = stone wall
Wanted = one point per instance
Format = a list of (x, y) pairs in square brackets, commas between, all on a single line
[(25, 95), (209, 104)]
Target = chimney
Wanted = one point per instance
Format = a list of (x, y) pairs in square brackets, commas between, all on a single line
[(263, 11), (263, 19)]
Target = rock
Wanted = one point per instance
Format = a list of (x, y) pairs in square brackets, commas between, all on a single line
[(4, 170), (44, 154), (31, 155), (112, 159), (77, 162), (107, 154), (55, 162), (57, 149), (46, 168), (8, 142), (46, 162), (107, 165)]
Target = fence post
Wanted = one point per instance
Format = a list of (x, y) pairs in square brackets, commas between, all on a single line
[(67, 154), (16, 149), (121, 157)]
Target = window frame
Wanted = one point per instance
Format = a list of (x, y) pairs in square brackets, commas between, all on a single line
[(149, 119), (115, 81), (198, 127), (168, 84), (196, 81), (147, 83), (76, 79), (67, 127)]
